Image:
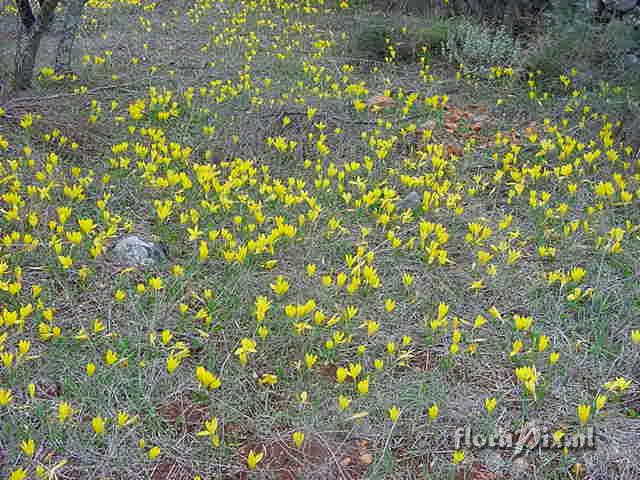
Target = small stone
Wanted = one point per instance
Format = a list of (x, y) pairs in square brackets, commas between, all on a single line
[(381, 101), (520, 468), (134, 251), (621, 5), (346, 461), (631, 59), (411, 201), (366, 459)]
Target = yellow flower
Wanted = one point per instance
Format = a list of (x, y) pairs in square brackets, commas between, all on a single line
[(310, 360), (98, 423), (389, 304), (7, 359), (280, 286), (457, 457), (155, 283), (19, 474), (372, 327), (543, 343), (635, 336), (64, 411), (263, 331), (495, 313), (110, 357), (354, 370), (253, 459), (298, 438), (490, 404), (26, 121), (65, 261), (163, 209), (153, 453), (601, 400), (98, 326), (529, 377), (311, 269), (207, 379), (172, 363), (269, 264), (91, 369), (86, 225), (247, 346), (123, 419), (363, 386), (177, 270), (269, 379), (394, 413), (584, 412), (433, 412), (28, 447), (343, 402), (211, 429), (479, 321), (203, 250), (516, 348), (262, 306), (618, 385), (166, 336), (407, 279), (522, 323), (120, 295), (554, 357)]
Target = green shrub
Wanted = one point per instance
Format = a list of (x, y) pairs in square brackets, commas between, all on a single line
[(473, 43), (434, 35), (370, 42), (599, 51), (406, 35)]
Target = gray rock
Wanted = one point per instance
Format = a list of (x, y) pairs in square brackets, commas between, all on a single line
[(520, 468), (411, 201), (134, 251), (621, 5), (631, 60)]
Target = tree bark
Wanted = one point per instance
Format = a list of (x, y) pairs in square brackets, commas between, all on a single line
[(26, 50), (30, 31), (72, 19)]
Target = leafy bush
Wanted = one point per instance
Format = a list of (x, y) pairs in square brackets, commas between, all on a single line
[(370, 40), (474, 43), (407, 36), (601, 51)]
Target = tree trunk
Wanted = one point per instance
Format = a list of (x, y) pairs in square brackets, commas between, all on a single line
[(30, 31), (26, 50), (72, 19)]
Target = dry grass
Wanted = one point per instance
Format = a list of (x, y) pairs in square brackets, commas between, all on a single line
[(263, 66)]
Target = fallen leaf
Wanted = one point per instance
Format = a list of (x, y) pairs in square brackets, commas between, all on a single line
[(366, 459), (358, 416), (453, 150), (481, 472), (450, 126), (346, 461), (428, 125), (380, 101)]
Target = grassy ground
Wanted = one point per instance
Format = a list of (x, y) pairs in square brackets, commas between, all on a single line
[(441, 231)]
